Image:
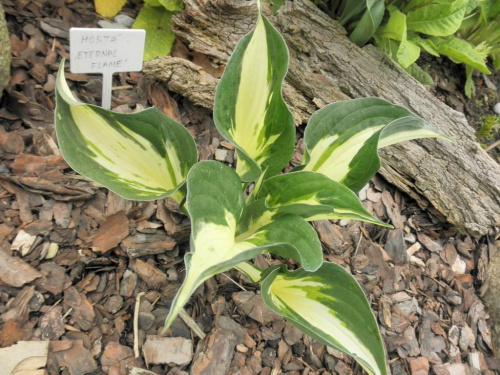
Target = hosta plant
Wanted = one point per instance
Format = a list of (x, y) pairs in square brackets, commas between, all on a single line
[(238, 214)]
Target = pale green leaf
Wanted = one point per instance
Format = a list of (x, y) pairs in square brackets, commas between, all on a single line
[(140, 156), (460, 51), (330, 306), (313, 196), (215, 204), (172, 5), (425, 44), (249, 109), (441, 18), (159, 38), (342, 138), (395, 28)]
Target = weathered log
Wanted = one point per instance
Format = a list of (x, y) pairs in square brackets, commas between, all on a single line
[(459, 181)]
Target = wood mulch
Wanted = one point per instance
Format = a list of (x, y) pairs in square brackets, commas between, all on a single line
[(81, 266)]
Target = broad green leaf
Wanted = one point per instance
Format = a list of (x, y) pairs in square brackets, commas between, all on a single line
[(460, 51), (330, 306), (395, 28), (215, 204), (108, 8), (140, 156), (159, 37), (425, 44), (249, 109), (172, 5), (369, 22), (439, 18), (342, 138), (313, 196)]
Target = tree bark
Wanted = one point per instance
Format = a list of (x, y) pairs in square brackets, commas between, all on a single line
[(459, 181)]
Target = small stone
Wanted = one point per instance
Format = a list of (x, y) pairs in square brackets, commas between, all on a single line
[(419, 366), (362, 194), (164, 350), (459, 266), (124, 20), (496, 108), (110, 25), (221, 154), (241, 348), (146, 320)]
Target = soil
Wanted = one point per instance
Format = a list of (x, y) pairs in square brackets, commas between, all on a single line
[(80, 264)]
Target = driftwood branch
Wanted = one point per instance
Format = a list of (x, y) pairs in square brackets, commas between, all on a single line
[(460, 181)]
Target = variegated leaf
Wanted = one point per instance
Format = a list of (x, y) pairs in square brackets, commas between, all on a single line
[(140, 156), (330, 306), (215, 204), (309, 195), (342, 138), (249, 109), (313, 196)]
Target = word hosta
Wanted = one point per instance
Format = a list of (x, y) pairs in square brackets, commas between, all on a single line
[(147, 156)]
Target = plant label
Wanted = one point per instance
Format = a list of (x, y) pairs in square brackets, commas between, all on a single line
[(106, 51)]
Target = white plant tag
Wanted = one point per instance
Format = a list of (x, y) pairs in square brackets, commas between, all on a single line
[(106, 51)]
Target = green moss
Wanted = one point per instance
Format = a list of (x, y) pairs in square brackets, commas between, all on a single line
[(489, 127)]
